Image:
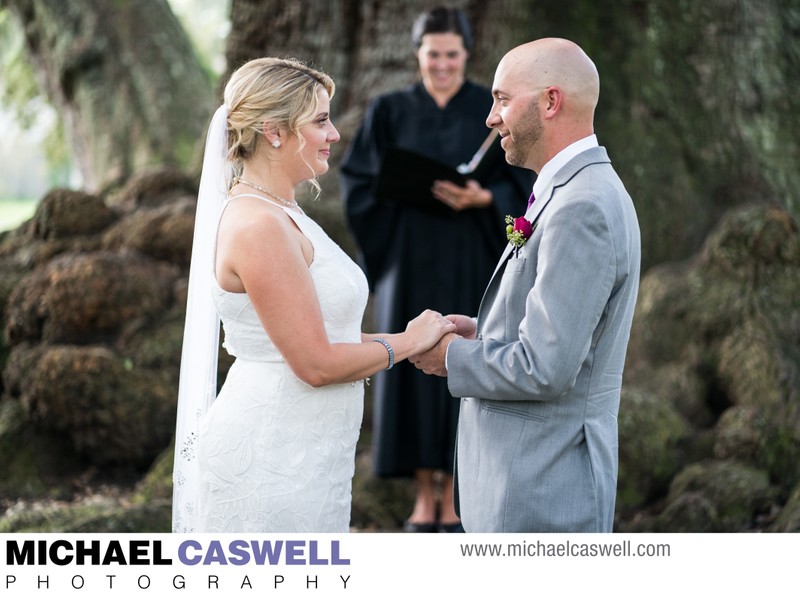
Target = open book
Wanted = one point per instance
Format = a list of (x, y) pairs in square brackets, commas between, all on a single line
[(406, 177)]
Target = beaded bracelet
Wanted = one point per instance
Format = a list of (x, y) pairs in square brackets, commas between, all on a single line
[(389, 348)]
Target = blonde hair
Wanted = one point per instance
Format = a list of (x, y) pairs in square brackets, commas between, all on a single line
[(280, 91)]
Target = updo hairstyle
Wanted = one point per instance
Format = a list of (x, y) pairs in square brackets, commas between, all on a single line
[(280, 91)]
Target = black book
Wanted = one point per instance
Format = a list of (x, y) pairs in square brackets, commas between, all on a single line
[(407, 177)]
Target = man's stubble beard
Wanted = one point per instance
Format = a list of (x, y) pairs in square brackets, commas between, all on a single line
[(525, 138)]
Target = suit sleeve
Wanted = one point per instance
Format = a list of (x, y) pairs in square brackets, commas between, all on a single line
[(564, 308)]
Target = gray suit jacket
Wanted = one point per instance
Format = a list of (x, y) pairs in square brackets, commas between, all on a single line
[(539, 389)]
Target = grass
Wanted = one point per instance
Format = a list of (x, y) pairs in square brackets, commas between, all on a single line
[(15, 212)]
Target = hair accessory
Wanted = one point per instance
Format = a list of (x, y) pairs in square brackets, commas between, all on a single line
[(276, 143)]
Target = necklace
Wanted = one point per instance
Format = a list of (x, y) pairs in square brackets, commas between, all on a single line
[(289, 203)]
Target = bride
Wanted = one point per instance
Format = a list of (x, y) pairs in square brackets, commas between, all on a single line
[(275, 450)]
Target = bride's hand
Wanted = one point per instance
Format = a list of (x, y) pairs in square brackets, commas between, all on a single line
[(428, 328)]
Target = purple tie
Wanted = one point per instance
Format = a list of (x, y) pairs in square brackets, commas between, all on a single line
[(531, 199)]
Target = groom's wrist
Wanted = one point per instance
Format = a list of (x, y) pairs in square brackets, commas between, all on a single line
[(453, 338)]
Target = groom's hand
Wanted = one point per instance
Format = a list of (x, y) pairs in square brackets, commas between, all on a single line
[(432, 362), (466, 326)]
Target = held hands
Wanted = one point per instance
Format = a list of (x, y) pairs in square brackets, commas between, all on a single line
[(428, 328), (432, 362), (458, 198), (466, 327)]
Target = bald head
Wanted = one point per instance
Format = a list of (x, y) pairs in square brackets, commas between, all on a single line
[(545, 93), (558, 63)]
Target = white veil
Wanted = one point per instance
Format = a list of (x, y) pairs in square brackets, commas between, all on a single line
[(198, 376)]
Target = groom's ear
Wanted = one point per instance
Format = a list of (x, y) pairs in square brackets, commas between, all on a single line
[(552, 98)]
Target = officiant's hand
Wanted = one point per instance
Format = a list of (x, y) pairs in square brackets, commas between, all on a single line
[(432, 362), (472, 196)]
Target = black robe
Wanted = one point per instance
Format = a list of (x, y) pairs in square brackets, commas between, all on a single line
[(416, 261)]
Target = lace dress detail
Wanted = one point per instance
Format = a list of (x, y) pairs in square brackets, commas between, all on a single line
[(277, 455)]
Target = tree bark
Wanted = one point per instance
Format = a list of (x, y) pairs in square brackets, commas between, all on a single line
[(365, 46), (124, 78), (697, 104)]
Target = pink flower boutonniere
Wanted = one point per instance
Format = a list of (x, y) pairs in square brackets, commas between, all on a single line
[(518, 231)]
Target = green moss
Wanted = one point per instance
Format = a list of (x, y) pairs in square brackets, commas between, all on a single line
[(105, 517), (34, 464), (157, 483), (651, 450), (736, 491), (789, 518)]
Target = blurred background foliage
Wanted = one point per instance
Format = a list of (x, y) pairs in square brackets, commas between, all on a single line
[(35, 152)]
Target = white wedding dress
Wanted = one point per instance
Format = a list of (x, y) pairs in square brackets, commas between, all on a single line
[(277, 455)]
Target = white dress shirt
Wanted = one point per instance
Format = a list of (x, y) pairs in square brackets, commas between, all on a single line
[(564, 156)]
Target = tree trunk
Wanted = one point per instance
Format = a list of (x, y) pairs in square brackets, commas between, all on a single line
[(124, 78), (697, 104), (699, 110), (364, 45)]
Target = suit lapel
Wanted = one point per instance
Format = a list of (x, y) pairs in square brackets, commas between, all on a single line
[(561, 178), (531, 214)]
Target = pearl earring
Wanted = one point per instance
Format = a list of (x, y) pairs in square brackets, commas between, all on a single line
[(276, 143)]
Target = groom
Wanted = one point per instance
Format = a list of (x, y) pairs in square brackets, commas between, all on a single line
[(539, 372)]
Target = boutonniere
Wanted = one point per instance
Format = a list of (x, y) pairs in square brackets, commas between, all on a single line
[(518, 231)]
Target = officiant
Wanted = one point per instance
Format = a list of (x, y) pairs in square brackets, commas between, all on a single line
[(435, 250)]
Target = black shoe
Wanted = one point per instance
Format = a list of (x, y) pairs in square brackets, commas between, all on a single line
[(457, 527), (419, 527)]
